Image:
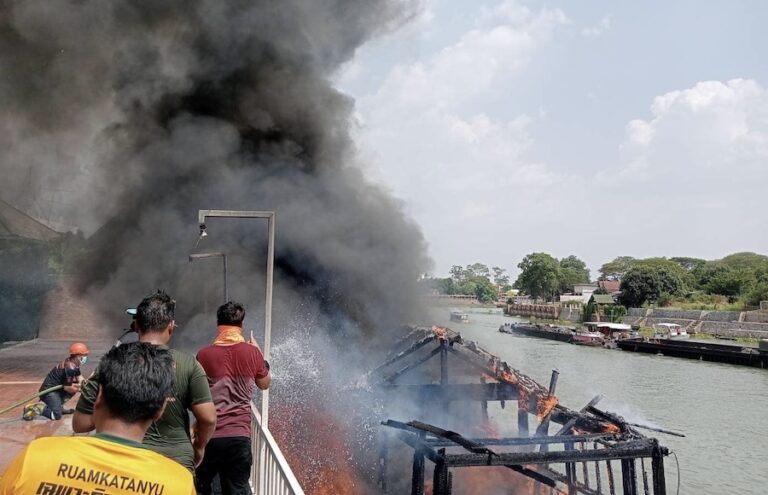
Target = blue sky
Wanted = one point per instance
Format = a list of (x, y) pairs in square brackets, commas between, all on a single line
[(593, 128)]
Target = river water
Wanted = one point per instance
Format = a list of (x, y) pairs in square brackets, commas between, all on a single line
[(722, 409)]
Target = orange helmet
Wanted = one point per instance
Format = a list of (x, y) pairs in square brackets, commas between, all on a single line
[(78, 348)]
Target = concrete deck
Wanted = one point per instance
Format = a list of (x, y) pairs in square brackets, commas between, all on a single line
[(22, 369)]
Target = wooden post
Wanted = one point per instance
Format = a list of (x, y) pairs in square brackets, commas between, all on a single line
[(383, 451), (522, 422), (417, 479), (657, 466), (628, 477), (441, 480)]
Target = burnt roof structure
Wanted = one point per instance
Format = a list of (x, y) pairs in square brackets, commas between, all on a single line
[(16, 224), (578, 459)]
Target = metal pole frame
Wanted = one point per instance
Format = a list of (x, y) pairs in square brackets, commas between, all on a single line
[(193, 257), (270, 217)]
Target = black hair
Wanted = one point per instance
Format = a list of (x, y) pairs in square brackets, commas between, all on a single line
[(155, 312), (230, 313), (135, 380)]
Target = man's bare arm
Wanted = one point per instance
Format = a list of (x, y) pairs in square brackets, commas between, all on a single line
[(205, 416), (82, 422), (263, 383)]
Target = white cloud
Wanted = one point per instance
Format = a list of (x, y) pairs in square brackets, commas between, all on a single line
[(501, 42), (693, 175), (712, 127), (452, 159), (601, 27)]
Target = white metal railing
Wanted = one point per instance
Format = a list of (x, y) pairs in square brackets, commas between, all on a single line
[(270, 472)]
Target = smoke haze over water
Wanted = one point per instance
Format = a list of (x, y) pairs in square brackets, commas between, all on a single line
[(129, 116)]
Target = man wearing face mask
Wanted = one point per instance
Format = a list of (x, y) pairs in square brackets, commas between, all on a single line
[(67, 374)]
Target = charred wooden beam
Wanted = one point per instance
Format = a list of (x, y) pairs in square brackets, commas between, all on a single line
[(441, 480), (417, 477), (572, 422), (457, 391), (543, 428), (439, 442), (423, 447), (452, 436), (534, 475), (657, 467), (628, 476), (522, 422), (413, 348), (628, 450), (580, 487), (397, 374)]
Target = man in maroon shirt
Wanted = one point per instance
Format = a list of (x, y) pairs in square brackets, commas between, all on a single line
[(234, 367)]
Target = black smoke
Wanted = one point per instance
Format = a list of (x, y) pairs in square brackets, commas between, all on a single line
[(124, 118)]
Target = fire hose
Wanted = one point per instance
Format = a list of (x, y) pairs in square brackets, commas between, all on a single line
[(27, 399)]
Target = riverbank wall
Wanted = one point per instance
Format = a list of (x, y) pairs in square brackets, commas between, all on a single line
[(728, 324), (546, 311)]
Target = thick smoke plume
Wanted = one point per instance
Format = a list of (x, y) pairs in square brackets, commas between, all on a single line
[(123, 118), (128, 116)]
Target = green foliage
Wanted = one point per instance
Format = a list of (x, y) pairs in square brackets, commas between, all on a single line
[(572, 271), (539, 276), (648, 279), (484, 290), (689, 264), (472, 280), (737, 276), (665, 299), (615, 270), (588, 310), (758, 292), (724, 280), (500, 277), (615, 312)]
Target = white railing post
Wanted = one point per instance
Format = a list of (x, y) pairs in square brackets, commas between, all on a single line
[(271, 474)]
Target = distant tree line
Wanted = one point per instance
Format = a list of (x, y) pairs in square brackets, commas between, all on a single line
[(740, 277), (545, 277), (472, 280)]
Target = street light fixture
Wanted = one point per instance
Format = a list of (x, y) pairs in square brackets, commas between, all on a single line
[(270, 217), (200, 256)]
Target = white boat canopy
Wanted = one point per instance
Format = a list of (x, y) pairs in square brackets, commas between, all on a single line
[(611, 326)]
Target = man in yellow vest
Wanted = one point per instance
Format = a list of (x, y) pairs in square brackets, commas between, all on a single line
[(135, 381)]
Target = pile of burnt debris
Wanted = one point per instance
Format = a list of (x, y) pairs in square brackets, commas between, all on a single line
[(592, 451)]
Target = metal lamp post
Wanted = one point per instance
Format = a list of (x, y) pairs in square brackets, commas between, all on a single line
[(270, 217), (200, 256)]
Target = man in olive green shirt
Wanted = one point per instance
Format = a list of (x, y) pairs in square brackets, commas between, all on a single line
[(170, 435)]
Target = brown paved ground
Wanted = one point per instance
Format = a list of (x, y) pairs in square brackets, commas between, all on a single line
[(22, 369), (67, 318)]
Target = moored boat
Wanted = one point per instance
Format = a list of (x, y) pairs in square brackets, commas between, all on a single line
[(703, 351), (588, 338), (550, 332), (459, 317), (669, 331)]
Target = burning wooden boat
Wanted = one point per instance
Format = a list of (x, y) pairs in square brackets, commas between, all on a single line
[(588, 453)]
